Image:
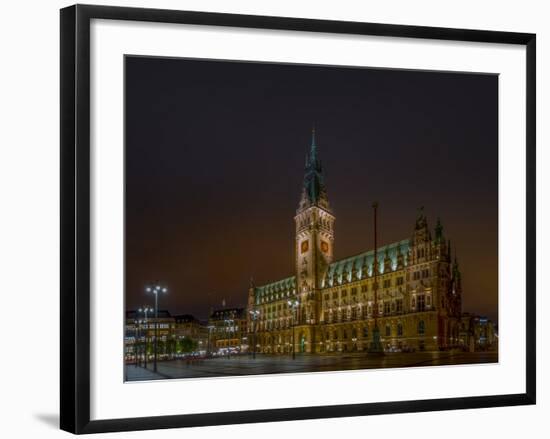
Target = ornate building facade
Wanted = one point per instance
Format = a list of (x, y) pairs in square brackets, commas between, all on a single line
[(329, 306)]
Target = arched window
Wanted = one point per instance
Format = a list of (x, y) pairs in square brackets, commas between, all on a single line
[(421, 327)]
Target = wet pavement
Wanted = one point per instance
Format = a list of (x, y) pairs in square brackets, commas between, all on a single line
[(269, 364)]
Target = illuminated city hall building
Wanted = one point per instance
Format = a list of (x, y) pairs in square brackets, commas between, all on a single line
[(329, 306)]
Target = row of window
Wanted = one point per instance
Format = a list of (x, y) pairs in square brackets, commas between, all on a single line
[(151, 326), (358, 313), (364, 288), (419, 303), (422, 274)]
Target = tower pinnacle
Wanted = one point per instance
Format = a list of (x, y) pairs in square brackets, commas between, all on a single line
[(313, 191)]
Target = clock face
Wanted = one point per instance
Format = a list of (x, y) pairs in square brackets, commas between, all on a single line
[(304, 246), (324, 246)]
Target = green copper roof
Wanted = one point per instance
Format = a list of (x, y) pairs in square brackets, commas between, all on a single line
[(281, 286), (366, 259), (286, 287)]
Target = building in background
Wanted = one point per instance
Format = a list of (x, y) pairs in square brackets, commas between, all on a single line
[(329, 306), (228, 331), (189, 328), (140, 334), (477, 333)]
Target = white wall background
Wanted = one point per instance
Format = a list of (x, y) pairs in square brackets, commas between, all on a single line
[(29, 206)]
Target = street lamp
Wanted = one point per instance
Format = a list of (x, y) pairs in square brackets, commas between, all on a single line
[(156, 290), (209, 347), (145, 310), (293, 304), (137, 336), (376, 345), (228, 328), (254, 314)]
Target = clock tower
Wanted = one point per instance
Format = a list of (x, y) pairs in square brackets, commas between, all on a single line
[(314, 236)]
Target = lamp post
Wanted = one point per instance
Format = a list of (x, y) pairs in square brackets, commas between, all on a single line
[(137, 325), (293, 304), (156, 290), (145, 310), (209, 346), (376, 345), (254, 314), (228, 328)]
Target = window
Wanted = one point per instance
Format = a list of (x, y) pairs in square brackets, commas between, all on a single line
[(399, 329), (353, 313), (421, 327), (366, 332), (387, 307), (335, 295), (399, 305), (354, 291), (426, 273), (387, 283), (344, 334), (364, 288), (399, 281), (421, 304), (344, 293), (388, 330)]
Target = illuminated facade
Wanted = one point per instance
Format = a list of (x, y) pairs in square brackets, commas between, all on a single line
[(228, 330), (329, 305)]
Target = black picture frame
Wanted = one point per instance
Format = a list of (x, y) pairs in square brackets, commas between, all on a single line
[(75, 218)]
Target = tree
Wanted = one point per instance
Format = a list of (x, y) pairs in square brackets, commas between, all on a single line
[(186, 345)]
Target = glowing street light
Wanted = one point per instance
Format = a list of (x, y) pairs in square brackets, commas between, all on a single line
[(254, 315), (156, 290), (293, 304), (145, 310), (137, 336), (229, 328), (209, 346)]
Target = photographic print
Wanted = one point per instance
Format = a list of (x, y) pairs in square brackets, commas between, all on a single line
[(292, 218)]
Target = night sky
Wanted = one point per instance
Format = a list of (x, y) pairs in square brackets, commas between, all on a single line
[(215, 158)]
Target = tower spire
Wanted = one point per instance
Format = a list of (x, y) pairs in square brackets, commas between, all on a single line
[(314, 191)]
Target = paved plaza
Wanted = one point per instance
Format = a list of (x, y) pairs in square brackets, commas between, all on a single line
[(267, 364)]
